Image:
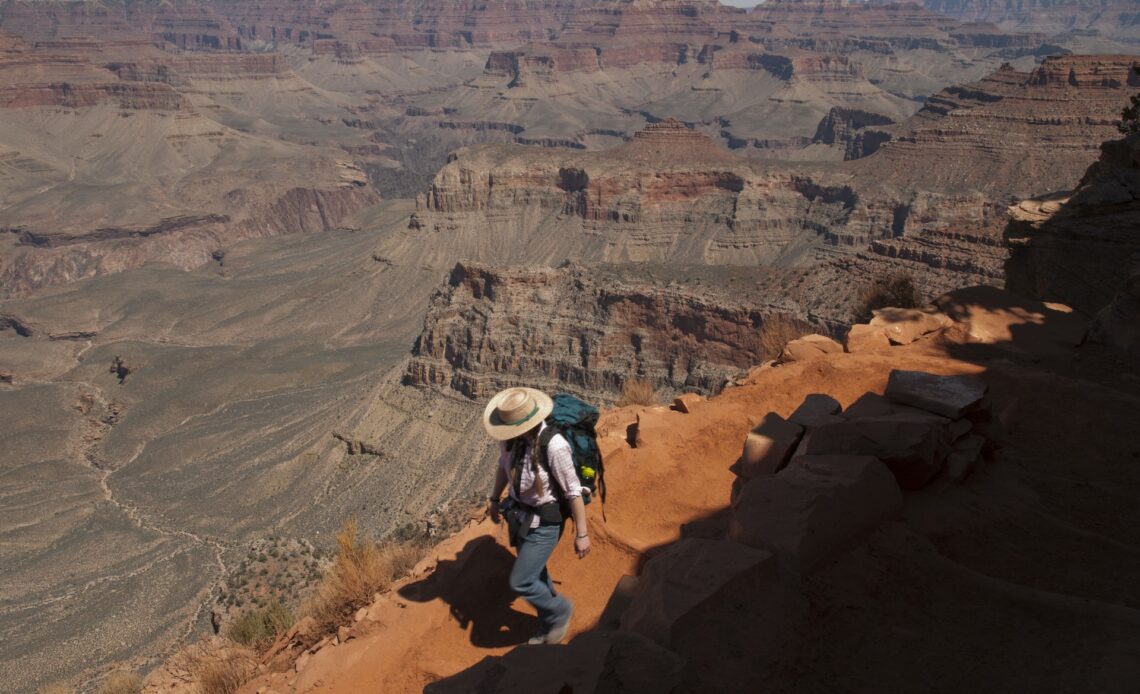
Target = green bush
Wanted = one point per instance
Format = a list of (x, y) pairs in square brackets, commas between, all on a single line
[(259, 628)]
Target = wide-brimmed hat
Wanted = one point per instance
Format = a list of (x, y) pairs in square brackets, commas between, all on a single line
[(515, 411)]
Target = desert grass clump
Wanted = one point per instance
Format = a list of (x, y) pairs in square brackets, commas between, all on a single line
[(222, 672), (893, 291), (259, 628), (121, 682), (360, 569), (777, 331), (637, 391)]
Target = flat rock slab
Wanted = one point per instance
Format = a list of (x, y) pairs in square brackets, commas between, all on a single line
[(949, 396), (913, 447), (816, 509), (769, 446), (809, 347), (594, 662), (688, 573), (903, 326)]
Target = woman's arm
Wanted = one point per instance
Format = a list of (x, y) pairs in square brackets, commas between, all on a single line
[(561, 462), (581, 531), (496, 492)]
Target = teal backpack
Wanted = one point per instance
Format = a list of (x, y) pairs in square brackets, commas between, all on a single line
[(575, 420)]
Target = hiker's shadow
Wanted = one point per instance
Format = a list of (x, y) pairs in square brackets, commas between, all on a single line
[(475, 585)]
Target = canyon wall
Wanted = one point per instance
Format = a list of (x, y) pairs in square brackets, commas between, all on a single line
[(113, 159), (1117, 19), (573, 328), (1082, 249), (931, 202)]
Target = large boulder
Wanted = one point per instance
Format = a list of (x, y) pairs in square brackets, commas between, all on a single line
[(949, 396), (866, 338), (903, 326), (595, 662), (769, 446), (678, 581), (1118, 324), (620, 599), (815, 509), (816, 409), (913, 445), (996, 317), (809, 347)]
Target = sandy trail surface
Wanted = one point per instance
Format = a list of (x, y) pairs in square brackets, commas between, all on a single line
[(458, 609)]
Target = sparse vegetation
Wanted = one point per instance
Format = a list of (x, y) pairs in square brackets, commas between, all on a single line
[(1130, 116), (360, 569), (222, 673), (260, 627), (777, 331), (121, 682), (637, 391), (897, 290), (55, 689)]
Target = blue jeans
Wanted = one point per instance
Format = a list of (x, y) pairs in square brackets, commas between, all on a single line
[(531, 580)]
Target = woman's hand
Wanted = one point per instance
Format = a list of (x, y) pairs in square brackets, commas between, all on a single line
[(582, 545), (493, 511)]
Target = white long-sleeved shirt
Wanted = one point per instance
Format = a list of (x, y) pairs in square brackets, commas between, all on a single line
[(561, 462)]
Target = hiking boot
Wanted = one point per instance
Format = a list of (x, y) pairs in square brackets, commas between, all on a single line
[(537, 640), (558, 631)]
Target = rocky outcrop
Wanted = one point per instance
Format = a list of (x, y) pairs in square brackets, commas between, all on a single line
[(857, 133), (1080, 248), (489, 328), (976, 135)]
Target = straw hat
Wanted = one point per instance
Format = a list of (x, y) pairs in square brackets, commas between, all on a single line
[(515, 411)]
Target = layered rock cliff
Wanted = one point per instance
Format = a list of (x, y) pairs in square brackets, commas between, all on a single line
[(931, 202), (112, 159), (1117, 19), (579, 329)]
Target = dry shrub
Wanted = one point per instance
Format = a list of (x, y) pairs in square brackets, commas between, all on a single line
[(894, 291), (777, 331), (637, 391), (361, 568), (259, 628), (121, 682), (222, 672)]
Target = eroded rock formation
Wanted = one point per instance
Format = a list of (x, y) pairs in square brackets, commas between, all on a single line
[(489, 328)]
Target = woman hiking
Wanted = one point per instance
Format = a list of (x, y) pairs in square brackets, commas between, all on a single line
[(537, 481)]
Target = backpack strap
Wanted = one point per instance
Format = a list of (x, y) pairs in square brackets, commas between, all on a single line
[(541, 456)]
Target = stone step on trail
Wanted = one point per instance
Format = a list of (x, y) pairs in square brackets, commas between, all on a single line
[(678, 581), (815, 509), (949, 396), (769, 446)]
